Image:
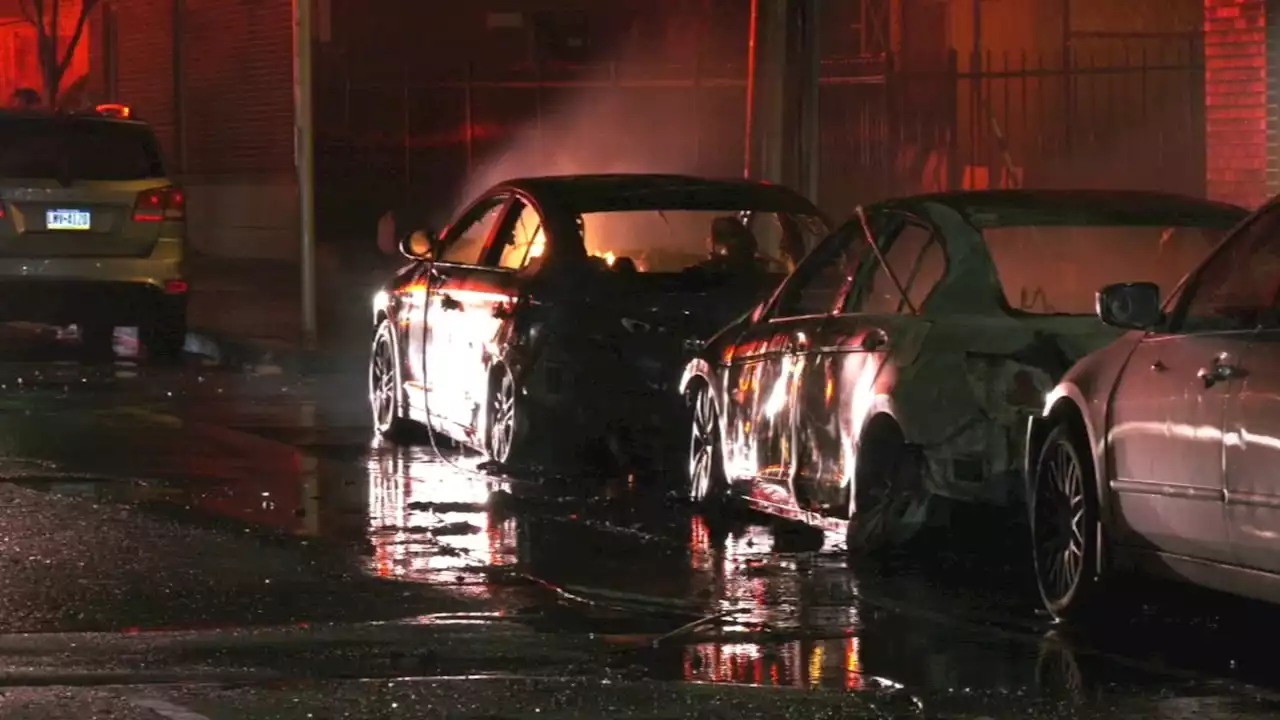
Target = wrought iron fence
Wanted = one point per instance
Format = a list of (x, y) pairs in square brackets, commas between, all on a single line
[(1133, 121)]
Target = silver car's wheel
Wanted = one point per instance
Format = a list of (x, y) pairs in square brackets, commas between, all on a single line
[(1064, 525), (706, 471), (384, 384)]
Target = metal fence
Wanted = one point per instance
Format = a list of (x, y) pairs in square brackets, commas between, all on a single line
[(1135, 120)]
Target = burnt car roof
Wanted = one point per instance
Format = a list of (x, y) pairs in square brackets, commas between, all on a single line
[(992, 208), (625, 191)]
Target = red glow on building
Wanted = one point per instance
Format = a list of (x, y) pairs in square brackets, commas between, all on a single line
[(1235, 96)]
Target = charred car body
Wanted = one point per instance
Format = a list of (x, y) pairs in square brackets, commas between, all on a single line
[(901, 360), (558, 308)]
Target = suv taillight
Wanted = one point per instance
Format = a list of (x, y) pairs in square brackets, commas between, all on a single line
[(166, 203)]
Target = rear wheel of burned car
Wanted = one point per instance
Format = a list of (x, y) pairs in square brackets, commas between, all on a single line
[(708, 486), (1063, 507), (890, 498), (506, 436), (386, 396)]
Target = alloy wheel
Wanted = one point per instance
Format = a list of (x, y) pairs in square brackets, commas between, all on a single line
[(502, 419), (703, 447), (382, 385), (1059, 523)]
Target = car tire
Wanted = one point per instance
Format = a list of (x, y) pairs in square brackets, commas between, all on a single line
[(890, 501), (506, 427), (708, 486), (164, 334), (1063, 508), (386, 391)]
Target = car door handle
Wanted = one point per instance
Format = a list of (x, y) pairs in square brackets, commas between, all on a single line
[(1219, 370)]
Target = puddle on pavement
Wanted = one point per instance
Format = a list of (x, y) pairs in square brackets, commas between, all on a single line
[(631, 567)]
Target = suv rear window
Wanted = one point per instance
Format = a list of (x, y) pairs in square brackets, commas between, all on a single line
[(77, 149)]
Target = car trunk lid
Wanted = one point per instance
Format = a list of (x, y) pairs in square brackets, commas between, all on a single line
[(45, 219)]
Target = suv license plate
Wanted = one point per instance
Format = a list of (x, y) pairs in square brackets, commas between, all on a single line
[(67, 220)]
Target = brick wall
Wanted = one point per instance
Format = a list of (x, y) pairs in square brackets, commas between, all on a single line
[(1236, 100), (234, 153), (144, 70), (238, 122), (239, 87)]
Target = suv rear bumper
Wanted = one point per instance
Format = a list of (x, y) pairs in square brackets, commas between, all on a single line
[(120, 291)]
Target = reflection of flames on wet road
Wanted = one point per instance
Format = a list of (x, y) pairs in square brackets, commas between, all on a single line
[(430, 521), (818, 663), (770, 595)]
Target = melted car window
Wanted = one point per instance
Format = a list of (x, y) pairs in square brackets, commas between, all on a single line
[(918, 262), (665, 241), (526, 242), (1058, 269), (465, 245)]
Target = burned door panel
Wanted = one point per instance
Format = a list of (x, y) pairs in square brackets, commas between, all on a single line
[(748, 380), (410, 302), (839, 392), (448, 338), (487, 300)]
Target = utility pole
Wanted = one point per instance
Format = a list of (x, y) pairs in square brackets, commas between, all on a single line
[(766, 90), (753, 56), (784, 61), (809, 76), (304, 161)]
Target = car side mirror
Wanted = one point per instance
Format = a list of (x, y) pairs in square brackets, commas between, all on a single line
[(1132, 306), (418, 245)]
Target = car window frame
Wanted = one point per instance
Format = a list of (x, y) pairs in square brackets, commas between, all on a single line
[(469, 217), (842, 237), (873, 266), (1179, 301), (511, 212)]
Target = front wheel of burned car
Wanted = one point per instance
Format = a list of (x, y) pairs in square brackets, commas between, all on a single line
[(1063, 508), (708, 485), (506, 436), (890, 498), (386, 396)]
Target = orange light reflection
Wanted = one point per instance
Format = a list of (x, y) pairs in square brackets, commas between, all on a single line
[(430, 522), (746, 575)]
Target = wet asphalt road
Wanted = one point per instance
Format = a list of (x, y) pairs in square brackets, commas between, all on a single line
[(201, 543)]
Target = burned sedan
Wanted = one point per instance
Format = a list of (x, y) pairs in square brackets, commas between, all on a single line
[(554, 312), (899, 363)]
